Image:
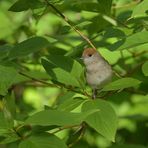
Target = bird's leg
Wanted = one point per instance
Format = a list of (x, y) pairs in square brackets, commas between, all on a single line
[(94, 93)]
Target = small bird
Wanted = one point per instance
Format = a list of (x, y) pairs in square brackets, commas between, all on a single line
[(98, 70)]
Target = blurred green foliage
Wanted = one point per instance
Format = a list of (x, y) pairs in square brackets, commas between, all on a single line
[(41, 70)]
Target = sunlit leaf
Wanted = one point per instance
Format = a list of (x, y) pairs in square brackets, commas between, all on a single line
[(64, 70), (131, 41), (121, 84), (104, 121), (57, 117), (70, 104), (141, 9)]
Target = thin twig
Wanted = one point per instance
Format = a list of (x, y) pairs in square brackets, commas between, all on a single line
[(137, 54), (17, 133), (82, 130), (55, 85), (71, 24), (130, 72), (38, 80), (133, 91), (63, 128)]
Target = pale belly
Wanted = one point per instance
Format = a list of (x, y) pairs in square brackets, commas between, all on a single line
[(100, 78)]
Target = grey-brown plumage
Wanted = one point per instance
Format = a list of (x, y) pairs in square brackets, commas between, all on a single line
[(98, 70)]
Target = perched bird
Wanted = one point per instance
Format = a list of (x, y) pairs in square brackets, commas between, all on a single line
[(98, 70)]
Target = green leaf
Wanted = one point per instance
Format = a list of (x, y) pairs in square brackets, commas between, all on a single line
[(64, 70), (22, 5), (145, 68), (55, 1), (43, 141), (127, 146), (92, 6), (8, 136), (10, 104), (37, 74), (106, 5), (65, 97), (28, 46), (55, 117), (104, 121), (3, 122), (98, 24), (4, 51), (121, 84), (9, 110), (141, 9), (131, 41), (89, 6), (7, 78), (70, 104)]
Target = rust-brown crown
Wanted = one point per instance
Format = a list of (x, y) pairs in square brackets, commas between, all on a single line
[(88, 52)]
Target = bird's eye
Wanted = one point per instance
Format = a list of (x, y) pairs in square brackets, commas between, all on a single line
[(90, 55)]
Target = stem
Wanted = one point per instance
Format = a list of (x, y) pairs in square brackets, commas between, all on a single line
[(132, 91), (94, 94), (17, 133), (38, 80), (130, 72), (82, 130), (71, 24), (63, 128), (54, 85)]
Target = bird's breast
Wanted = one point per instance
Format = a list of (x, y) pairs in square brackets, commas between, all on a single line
[(98, 74)]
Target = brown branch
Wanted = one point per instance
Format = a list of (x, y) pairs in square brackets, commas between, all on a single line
[(70, 24)]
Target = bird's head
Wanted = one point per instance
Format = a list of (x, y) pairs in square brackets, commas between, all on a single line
[(89, 55)]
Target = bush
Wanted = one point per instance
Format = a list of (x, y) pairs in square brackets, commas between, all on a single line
[(44, 98)]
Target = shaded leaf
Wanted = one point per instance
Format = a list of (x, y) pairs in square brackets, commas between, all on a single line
[(28, 46), (9, 137), (98, 6), (55, 1), (127, 146), (145, 68), (9, 110), (106, 5), (98, 24), (22, 5), (44, 141), (6, 81), (4, 51), (3, 122)]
